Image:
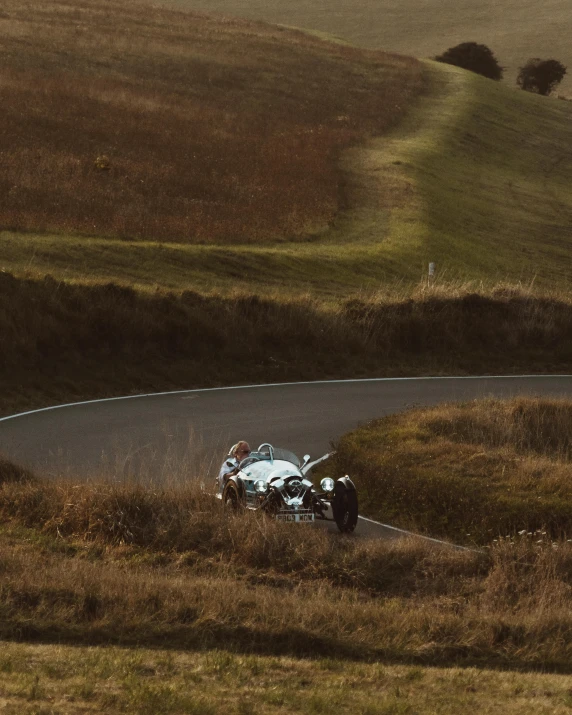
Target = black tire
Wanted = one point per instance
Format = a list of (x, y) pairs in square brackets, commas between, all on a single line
[(345, 508), (231, 497), (272, 505)]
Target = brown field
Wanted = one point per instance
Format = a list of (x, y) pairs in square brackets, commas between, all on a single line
[(129, 121), (470, 472)]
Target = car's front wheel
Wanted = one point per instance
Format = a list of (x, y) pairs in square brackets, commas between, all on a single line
[(230, 497), (345, 507)]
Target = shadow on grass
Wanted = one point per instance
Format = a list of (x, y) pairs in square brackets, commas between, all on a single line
[(294, 643)]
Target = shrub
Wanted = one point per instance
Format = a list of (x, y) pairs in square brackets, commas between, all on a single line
[(473, 57), (540, 76)]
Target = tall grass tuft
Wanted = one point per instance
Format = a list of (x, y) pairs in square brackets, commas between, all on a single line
[(187, 518), (11, 473), (528, 425)]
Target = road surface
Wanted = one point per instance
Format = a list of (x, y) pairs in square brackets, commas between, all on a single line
[(175, 436)]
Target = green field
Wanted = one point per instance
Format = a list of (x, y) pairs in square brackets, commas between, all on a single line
[(514, 29)]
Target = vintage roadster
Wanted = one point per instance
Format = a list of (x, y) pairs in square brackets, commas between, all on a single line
[(273, 480)]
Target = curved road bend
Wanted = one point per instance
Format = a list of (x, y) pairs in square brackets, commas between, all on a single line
[(159, 436)]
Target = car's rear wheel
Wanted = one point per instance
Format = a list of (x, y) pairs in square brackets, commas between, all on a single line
[(345, 507), (230, 497)]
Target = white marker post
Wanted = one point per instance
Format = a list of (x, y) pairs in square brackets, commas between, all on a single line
[(431, 274)]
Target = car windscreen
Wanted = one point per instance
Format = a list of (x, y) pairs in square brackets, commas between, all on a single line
[(286, 455)]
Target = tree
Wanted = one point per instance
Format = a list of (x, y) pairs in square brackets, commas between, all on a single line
[(474, 57), (540, 76)]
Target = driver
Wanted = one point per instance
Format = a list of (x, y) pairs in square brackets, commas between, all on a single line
[(237, 453)]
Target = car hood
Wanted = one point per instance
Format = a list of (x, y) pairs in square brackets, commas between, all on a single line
[(268, 470)]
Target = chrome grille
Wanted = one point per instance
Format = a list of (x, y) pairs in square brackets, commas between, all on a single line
[(294, 487)]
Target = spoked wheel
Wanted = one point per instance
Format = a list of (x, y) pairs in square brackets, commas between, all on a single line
[(230, 497), (345, 508)]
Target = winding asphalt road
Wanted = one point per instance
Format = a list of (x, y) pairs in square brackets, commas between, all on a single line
[(165, 436)]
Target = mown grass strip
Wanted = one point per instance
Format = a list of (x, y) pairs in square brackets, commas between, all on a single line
[(40, 678)]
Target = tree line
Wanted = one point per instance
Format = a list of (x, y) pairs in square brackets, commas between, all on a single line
[(538, 76)]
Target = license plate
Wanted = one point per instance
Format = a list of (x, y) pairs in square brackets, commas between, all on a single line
[(295, 517)]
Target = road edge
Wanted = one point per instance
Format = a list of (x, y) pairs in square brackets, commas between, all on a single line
[(279, 384)]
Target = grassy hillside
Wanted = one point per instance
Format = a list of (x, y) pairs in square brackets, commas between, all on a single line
[(492, 167), (515, 29), (109, 563), (476, 178), (290, 191), (408, 163), (99, 578), (127, 121)]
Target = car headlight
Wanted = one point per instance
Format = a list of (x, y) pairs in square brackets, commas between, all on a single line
[(260, 486), (327, 484)]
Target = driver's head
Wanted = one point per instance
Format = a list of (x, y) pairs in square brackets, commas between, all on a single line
[(241, 450)]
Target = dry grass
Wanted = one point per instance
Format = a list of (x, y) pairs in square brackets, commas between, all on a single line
[(472, 472), (48, 679), (129, 121), (105, 563), (63, 342), (531, 427)]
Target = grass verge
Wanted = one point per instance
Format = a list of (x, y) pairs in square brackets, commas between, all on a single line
[(469, 472)]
